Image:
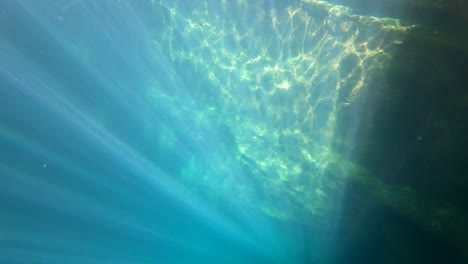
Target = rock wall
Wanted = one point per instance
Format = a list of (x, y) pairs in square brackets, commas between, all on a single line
[(279, 79)]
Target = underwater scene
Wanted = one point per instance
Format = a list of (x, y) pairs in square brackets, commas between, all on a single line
[(234, 131)]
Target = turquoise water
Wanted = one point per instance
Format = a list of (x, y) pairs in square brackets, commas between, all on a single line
[(217, 132)]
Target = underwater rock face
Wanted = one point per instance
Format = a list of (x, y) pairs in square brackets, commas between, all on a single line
[(413, 11), (302, 93), (278, 79)]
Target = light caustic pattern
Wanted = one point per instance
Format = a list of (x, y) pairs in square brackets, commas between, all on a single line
[(279, 77)]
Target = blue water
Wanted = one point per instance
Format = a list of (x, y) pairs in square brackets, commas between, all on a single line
[(191, 132), (86, 173)]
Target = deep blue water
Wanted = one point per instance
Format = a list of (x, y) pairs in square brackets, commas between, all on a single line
[(195, 132), (84, 178)]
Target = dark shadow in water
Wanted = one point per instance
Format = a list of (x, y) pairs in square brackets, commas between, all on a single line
[(415, 139)]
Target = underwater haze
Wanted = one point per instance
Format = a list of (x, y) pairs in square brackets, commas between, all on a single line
[(243, 131)]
